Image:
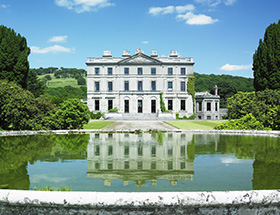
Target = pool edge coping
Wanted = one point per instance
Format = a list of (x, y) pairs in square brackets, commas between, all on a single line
[(89, 131)]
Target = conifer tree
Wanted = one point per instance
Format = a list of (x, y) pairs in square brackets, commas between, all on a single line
[(266, 59), (14, 52)]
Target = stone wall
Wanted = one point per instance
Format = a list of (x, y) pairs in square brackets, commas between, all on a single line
[(233, 202)]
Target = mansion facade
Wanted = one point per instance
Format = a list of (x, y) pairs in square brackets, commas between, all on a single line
[(133, 83)]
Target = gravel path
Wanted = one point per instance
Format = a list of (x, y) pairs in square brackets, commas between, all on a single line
[(159, 125)]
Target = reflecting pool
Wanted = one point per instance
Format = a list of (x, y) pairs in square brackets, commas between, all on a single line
[(145, 162)]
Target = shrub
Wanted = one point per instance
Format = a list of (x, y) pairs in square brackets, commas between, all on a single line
[(192, 117), (248, 122), (113, 110), (97, 115)]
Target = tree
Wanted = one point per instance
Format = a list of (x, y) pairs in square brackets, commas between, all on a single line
[(240, 104), (266, 59), (17, 107), (20, 110), (72, 114), (81, 81), (14, 52), (34, 85)]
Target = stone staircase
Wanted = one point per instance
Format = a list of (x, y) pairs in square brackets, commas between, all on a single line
[(139, 116)]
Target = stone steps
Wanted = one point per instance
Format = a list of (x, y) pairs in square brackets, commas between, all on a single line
[(139, 116)]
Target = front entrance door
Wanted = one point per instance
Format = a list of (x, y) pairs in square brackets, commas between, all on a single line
[(126, 106), (140, 106), (153, 106)]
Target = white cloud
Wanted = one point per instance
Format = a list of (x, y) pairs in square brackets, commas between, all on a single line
[(80, 6), (161, 10), (145, 42), (214, 3), (170, 9), (58, 39), (229, 67), (229, 2), (210, 3), (50, 49), (184, 9), (189, 16), (4, 6), (193, 19), (44, 177)]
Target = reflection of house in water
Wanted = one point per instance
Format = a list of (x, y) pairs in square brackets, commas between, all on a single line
[(141, 157)]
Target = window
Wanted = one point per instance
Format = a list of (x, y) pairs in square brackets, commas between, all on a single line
[(96, 105), (126, 106), (97, 86), (126, 86), (126, 150), (126, 71), (216, 106), (183, 71), (110, 86), (183, 86), (170, 105), (208, 117), (208, 106), (97, 70), (110, 150), (199, 106), (183, 104), (140, 71), (170, 85), (110, 71), (153, 71), (153, 85), (110, 104), (140, 86), (170, 71)]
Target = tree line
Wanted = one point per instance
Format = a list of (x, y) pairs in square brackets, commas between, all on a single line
[(260, 110), (228, 85), (23, 103), (60, 72)]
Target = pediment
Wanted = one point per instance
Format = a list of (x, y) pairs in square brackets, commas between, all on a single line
[(140, 59)]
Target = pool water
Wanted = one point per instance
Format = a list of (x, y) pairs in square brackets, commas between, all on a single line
[(145, 162)]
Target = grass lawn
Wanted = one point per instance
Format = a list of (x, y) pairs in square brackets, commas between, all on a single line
[(61, 82), (97, 124), (195, 124)]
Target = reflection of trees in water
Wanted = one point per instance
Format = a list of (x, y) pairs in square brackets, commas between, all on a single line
[(15, 153), (267, 165), (264, 149)]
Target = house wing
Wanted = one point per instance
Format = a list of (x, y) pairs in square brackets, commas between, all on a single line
[(139, 59)]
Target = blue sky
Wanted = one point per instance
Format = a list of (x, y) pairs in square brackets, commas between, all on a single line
[(221, 35)]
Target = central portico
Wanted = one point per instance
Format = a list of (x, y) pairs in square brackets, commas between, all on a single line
[(133, 83)]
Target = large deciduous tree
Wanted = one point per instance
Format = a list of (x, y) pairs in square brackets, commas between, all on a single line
[(72, 114), (14, 52), (225, 90), (266, 59)]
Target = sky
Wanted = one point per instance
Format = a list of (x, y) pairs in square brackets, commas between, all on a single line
[(220, 35)]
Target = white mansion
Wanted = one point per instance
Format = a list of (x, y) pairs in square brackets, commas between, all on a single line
[(133, 83)]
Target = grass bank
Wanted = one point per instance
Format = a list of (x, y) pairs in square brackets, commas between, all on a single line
[(61, 82), (195, 124), (97, 124)]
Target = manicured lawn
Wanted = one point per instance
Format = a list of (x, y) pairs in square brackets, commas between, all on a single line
[(61, 82), (97, 124), (195, 124)]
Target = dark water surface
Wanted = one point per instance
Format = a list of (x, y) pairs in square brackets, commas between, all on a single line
[(123, 162)]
